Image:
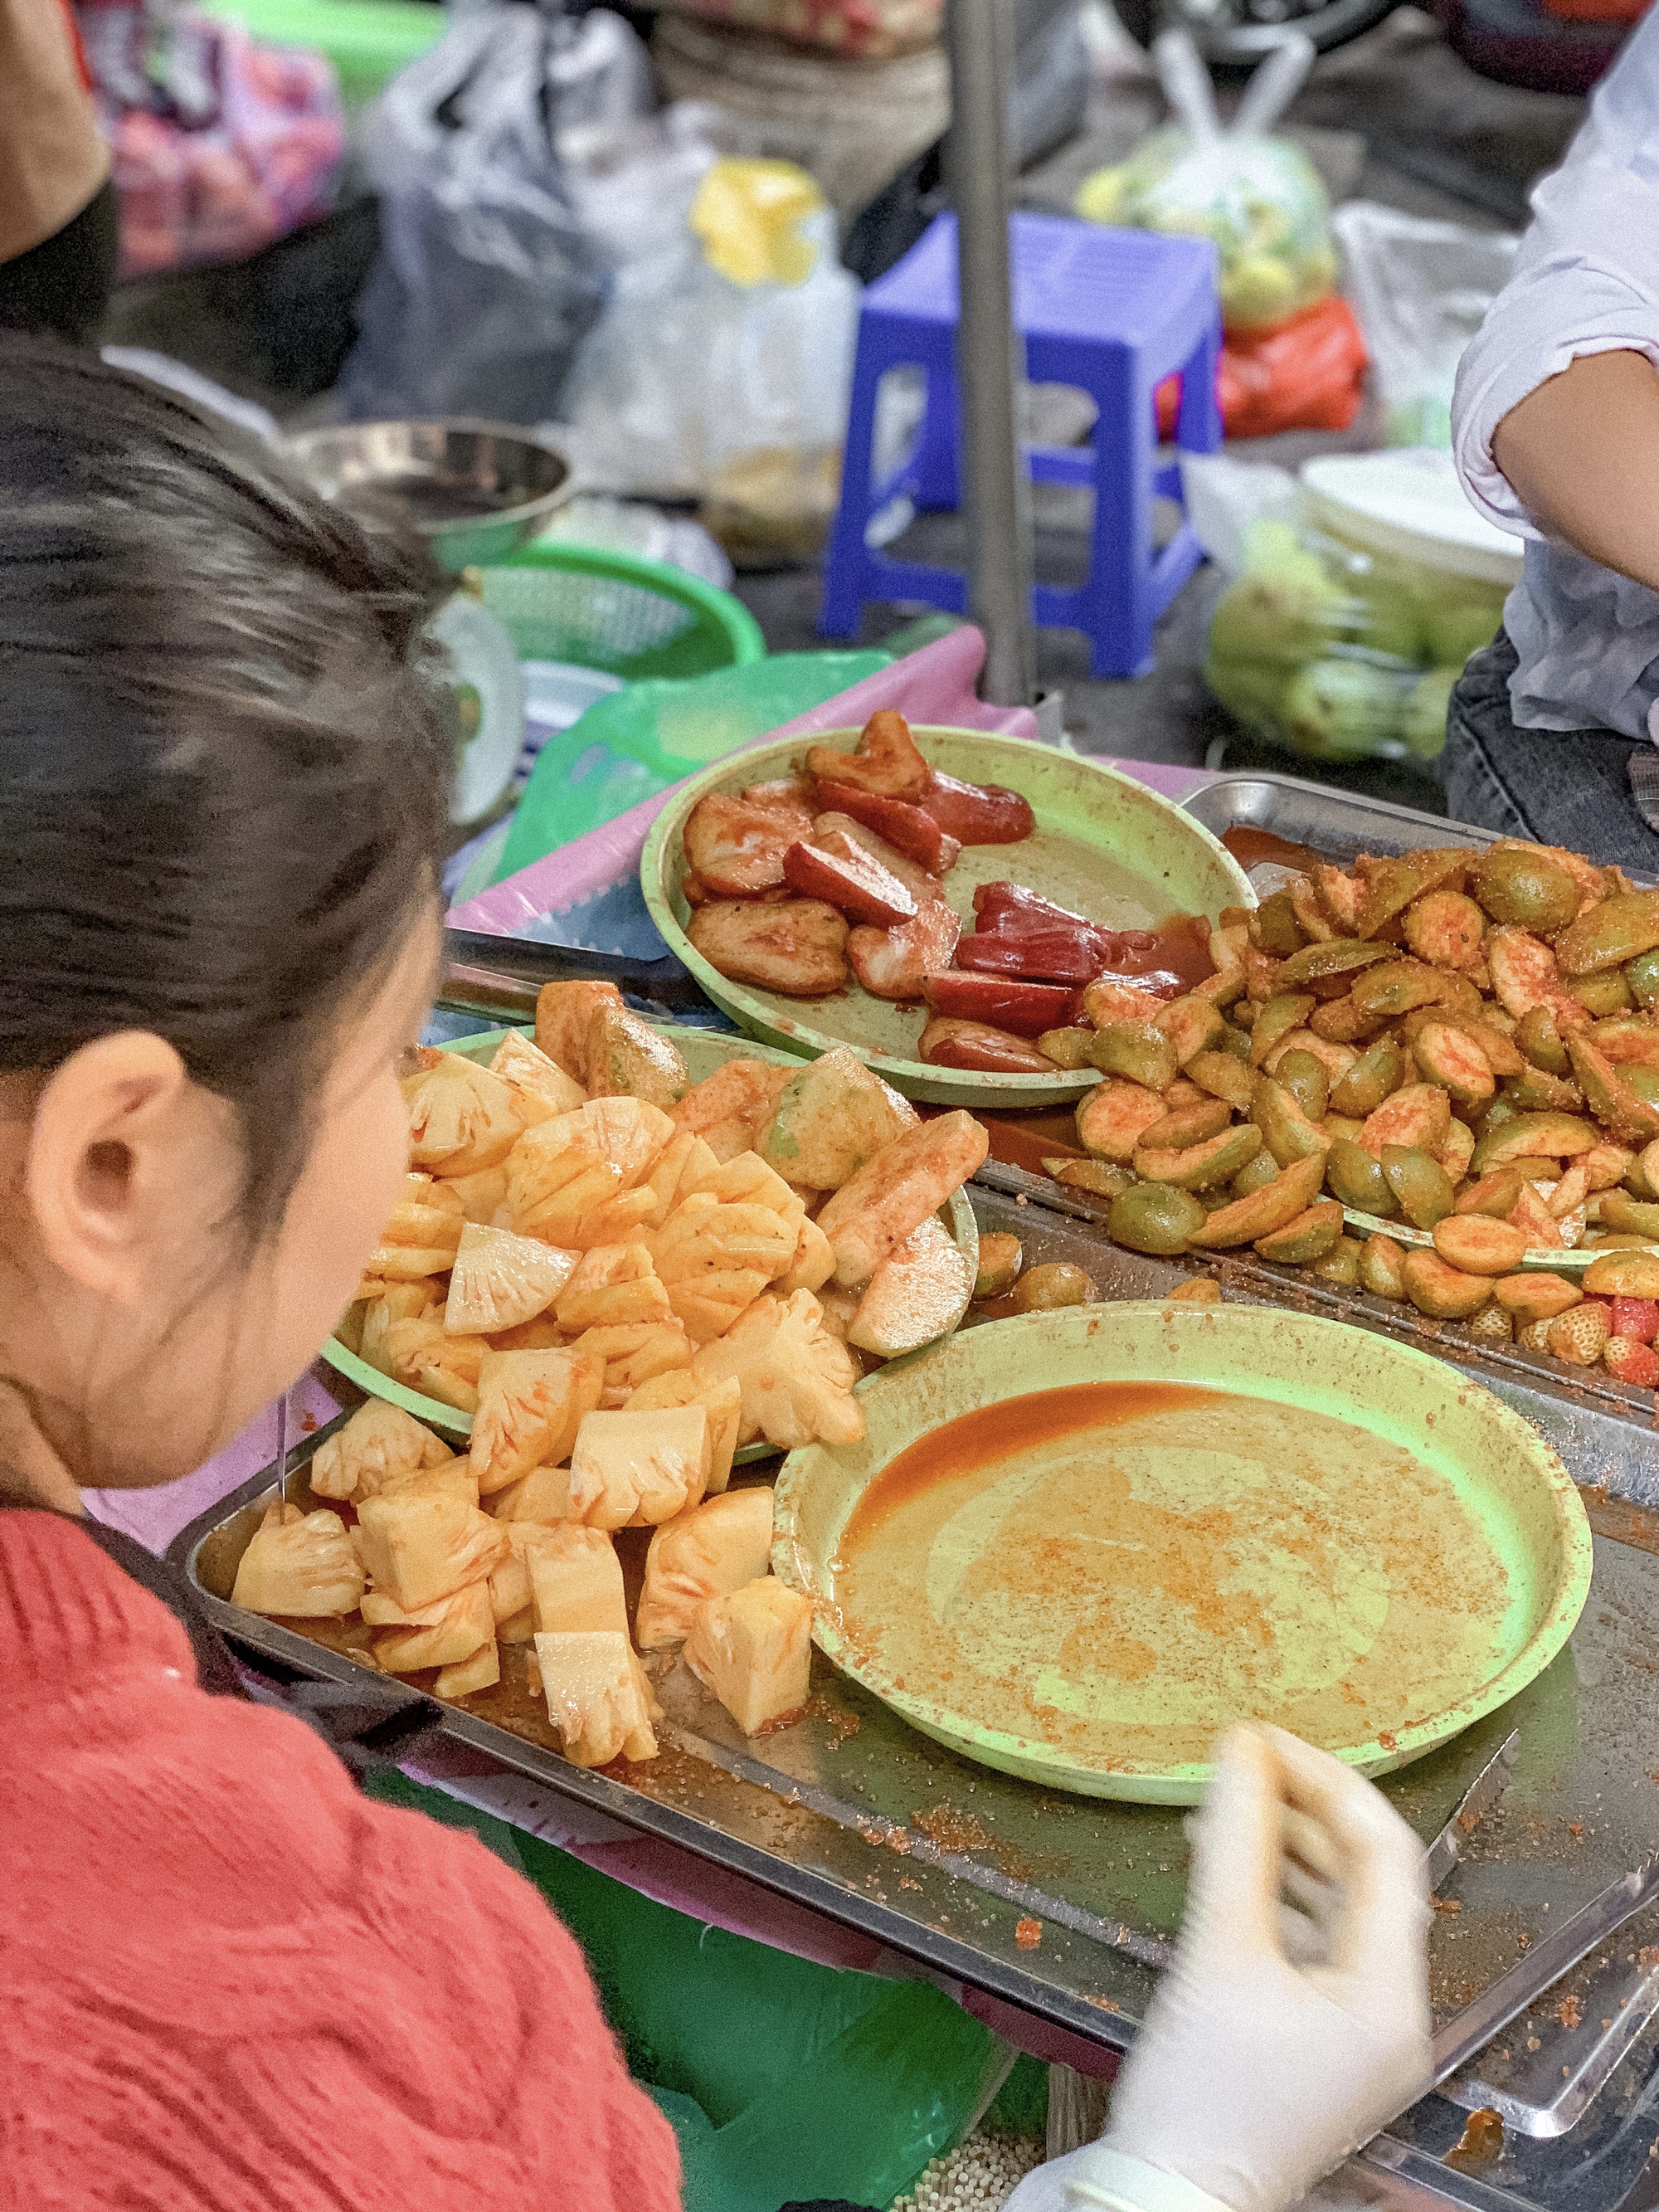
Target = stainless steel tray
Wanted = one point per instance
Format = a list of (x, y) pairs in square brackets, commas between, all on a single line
[(1336, 823)]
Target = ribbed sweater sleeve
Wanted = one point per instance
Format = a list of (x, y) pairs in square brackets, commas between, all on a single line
[(229, 1984)]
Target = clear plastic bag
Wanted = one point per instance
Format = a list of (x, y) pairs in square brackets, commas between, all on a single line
[(1259, 198), (726, 354), (488, 278)]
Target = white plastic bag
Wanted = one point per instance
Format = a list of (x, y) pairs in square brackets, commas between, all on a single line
[(1421, 290), (691, 374), (488, 278)]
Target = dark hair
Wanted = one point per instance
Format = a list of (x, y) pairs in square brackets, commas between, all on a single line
[(223, 758)]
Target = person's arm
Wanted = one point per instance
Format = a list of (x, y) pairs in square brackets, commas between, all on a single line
[(53, 159), (1555, 420), (1294, 2021), (1582, 455)]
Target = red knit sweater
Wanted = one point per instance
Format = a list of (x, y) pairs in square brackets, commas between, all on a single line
[(229, 1984)]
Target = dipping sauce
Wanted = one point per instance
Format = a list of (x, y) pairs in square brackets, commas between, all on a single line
[(1121, 1569)]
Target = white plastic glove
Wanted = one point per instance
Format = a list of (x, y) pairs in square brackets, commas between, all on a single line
[(1294, 2021)]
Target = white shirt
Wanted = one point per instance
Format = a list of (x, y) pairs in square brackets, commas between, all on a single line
[(1586, 281)]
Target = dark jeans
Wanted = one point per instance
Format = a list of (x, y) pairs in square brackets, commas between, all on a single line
[(1568, 788)]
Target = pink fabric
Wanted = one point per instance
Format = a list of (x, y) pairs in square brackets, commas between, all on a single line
[(934, 685)]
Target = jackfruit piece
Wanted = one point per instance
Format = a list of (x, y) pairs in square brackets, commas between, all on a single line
[(797, 1378), (461, 1118), (303, 1565), (540, 1498), (420, 1548), (722, 1401), (530, 1406), (918, 1293), (421, 1233), (728, 1109), (540, 1087), (442, 1635), (597, 1696), (753, 1648), (576, 1580), (500, 1280), (614, 1286), (481, 1672), (831, 1118), (708, 1552), (635, 1470), (379, 1441), (633, 1354)]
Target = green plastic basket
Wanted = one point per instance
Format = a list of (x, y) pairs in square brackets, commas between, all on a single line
[(619, 612), (368, 41)]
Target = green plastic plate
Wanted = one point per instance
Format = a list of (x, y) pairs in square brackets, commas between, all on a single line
[(1518, 1507), (703, 1051), (1104, 846)]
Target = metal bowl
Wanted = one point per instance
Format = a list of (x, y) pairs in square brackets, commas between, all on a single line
[(474, 490)]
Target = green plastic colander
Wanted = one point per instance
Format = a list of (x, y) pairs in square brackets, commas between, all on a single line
[(618, 611)]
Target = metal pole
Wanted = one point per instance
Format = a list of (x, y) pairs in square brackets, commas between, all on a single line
[(996, 491)]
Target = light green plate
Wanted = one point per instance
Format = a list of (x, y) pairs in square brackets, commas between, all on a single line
[(1104, 846), (1515, 1505), (703, 1051)]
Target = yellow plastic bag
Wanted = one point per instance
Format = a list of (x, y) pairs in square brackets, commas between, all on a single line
[(747, 214)]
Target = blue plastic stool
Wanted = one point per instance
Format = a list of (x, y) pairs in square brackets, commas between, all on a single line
[(1114, 312)]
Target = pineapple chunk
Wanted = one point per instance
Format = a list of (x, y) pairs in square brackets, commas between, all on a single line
[(564, 1016), (453, 1479), (541, 1334), (753, 1648), (708, 1552), (530, 1406), (574, 1181), (500, 1280), (482, 1195), (813, 1264), (831, 1120), (632, 1355), (461, 1118), (420, 1237), (302, 1564), (575, 1581), (722, 1401), (538, 1499), (440, 1635), (597, 1696), (614, 1286), (629, 1132), (676, 1170), (635, 1470), (418, 1549), (379, 1441), (481, 1672), (745, 1179), (539, 1085), (510, 1593), (520, 1628), (797, 1378), (627, 1059), (905, 1182), (715, 1259), (397, 1302), (421, 1354), (728, 1109), (918, 1293)]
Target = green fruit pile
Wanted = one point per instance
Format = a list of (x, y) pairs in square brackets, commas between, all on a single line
[(1340, 654)]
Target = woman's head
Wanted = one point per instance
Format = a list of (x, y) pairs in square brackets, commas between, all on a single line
[(222, 777)]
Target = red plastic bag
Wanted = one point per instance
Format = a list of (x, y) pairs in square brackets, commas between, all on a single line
[(1303, 374)]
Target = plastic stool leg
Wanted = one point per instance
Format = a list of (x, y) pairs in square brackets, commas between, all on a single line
[(934, 470), (1116, 603), (846, 566), (1198, 425)]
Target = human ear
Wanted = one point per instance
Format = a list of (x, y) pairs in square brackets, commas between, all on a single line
[(96, 1172)]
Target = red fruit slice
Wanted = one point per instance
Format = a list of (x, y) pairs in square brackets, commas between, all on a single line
[(976, 1045), (915, 878), (735, 848), (886, 761), (1635, 1318), (859, 885), (1028, 1009), (786, 796), (905, 827), (1040, 956), (892, 963), (978, 813)]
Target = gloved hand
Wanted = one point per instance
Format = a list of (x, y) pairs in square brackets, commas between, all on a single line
[(1294, 2021)]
